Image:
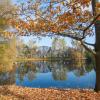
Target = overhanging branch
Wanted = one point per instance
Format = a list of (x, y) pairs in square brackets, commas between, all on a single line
[(94, 20), (68, 35), (87, 48), (90, 44), (82, 43)]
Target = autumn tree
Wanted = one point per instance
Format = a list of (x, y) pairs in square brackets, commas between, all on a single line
[(76, 19), (8, 54), (58, 47), (7, 12), (58, 44), (7, 47)]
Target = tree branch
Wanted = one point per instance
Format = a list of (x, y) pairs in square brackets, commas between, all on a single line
[(67, 35), (82, 43), (87, 48), (89, 43), (94, 20)]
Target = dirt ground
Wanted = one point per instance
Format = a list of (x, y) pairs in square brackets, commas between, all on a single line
[(13, 92)]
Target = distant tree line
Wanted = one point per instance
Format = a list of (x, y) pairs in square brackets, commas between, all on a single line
[(58, 50)]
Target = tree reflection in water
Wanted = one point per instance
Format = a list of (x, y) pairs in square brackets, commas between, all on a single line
[(30, 70), (59, 69), (7, 75), (26, 69)]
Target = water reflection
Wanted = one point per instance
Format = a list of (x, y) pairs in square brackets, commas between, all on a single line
[(26, 69), (7, 76), (51, 74)]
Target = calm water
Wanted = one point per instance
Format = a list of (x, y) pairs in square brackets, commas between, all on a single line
[(50, 74)]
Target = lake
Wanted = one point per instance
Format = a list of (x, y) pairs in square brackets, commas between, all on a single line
[(43, 74)]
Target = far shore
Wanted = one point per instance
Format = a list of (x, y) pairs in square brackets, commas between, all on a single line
[(47, 59), (40, 59)]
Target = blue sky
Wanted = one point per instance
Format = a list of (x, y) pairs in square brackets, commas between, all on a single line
[(43, 41), (47, 41)]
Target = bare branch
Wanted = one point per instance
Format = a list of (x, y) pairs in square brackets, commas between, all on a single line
[(88, 49), (68, 35), (89, 44), (82, 43)]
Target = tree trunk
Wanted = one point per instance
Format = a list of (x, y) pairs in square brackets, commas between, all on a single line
[(97, 56)]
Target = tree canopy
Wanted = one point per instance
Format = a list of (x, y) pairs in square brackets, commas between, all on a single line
[(67, 18), (7, 12)]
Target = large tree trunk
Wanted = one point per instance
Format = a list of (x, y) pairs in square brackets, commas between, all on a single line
[(97, 56)]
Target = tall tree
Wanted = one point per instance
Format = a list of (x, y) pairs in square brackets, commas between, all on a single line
[(7, 12), (76, 19), (58, 44), (3, 6), (7, 47), (96, 12), (8, 53)]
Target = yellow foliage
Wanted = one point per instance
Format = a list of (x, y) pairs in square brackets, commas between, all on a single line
[(85, 1), (98, 4), (57, 17)]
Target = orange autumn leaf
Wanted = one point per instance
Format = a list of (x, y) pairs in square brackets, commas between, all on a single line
[(85, 1), (98, 4)]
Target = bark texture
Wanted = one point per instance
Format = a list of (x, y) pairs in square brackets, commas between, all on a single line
[(97, 56)]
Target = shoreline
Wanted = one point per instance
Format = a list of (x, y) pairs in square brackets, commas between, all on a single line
[(40, 59), (12, 92)]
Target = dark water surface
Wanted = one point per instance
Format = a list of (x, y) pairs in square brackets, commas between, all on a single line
[(50, 74)]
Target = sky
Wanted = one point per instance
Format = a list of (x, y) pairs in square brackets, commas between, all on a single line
[(47, 41)]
